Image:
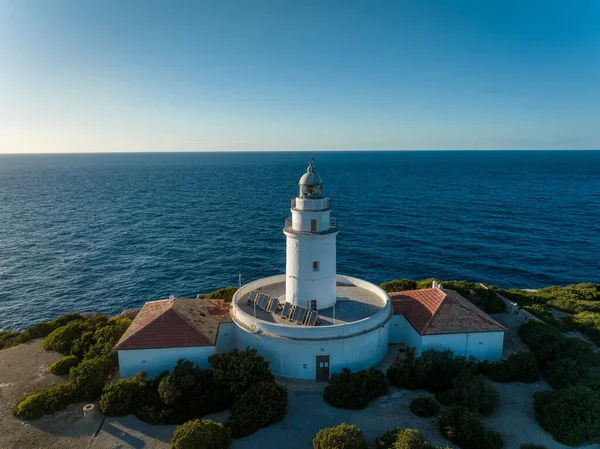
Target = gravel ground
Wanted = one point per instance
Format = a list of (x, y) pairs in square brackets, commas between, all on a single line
[(24, 369)]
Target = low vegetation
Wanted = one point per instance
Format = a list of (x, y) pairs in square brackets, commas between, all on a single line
[(89, 360), (240, 380), (225, 293), (563, 361), (570, 415), (580, 300), (63, 366), (473, 392), (39, 330), (425, 406), (403, 439), (532, 446), (465, 428), (520, 367), (354, 390), (484, 298), (343, 436), (263, 404), (201, 433)]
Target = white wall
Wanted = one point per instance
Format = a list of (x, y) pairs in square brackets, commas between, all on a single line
[(155, 361), (398, 329), (303, 284), (481, 345), (226, 337), (296, 358)]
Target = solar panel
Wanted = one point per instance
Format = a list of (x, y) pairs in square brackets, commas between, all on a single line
[(287, 308), (262, 301), (299, 314), (251, 297), (312, 318), (272, 306)]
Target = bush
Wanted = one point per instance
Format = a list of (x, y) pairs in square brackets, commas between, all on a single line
[(520, 367), (225, 293), (402, 439), (588, 323), (354, 390), (121, 397), (523, 367), (343, 436), (88, 378), (61, 339), (44, 402), (238, 370), (63, 366), (433, 371), (425, 406), (532, 446), (465, 428), (472, 392), (570, 415), (203, 434), (398, 285), (260, 406), (498, 371)]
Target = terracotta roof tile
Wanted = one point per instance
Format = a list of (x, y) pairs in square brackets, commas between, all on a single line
[(435, 311), (175, 323)]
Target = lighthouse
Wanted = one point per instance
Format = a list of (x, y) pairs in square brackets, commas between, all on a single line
[(310, 273)]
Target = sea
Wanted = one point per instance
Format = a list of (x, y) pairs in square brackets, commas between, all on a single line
[(107, 232)]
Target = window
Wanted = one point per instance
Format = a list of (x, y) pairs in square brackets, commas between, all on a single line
[(316, 265), (313, 225)]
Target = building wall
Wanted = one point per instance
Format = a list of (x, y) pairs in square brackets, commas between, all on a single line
[(155, 361), (226, 337), (302, 282), (296, 358), (481, 345)]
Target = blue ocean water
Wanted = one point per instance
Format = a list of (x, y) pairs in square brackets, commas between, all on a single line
[(104, 232)]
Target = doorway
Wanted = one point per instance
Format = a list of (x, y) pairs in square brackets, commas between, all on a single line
[(322, 374)]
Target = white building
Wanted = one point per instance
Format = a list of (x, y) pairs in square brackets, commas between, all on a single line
[(309, 322)]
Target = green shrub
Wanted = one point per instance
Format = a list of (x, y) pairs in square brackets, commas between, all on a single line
[(570, 415), (88, 378), (498, 371), (354, 390), (465, 428), (425, 406), (225, 293), (532, 446), (122, 397), (472, 392), (343, 436), (432, 371), (398, 285), (61, 339), (238, 370), (203, 434), (402, 439), (261, 405), (520, 367), (588, 323), (44, 402), (63, 366), (523, 367)]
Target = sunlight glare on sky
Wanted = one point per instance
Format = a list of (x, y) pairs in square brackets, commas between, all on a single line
[(300, 75)]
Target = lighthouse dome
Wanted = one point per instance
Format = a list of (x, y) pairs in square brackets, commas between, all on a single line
[(311, 184)]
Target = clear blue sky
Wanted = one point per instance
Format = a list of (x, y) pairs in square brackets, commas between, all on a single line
[(133, 75)]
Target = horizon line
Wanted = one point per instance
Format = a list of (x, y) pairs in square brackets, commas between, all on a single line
[(15, 153)]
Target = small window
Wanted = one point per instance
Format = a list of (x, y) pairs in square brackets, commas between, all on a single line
[(313, 225), (316, 265)]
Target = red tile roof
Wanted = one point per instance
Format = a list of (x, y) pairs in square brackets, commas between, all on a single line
[(173, 323), (438, 311)]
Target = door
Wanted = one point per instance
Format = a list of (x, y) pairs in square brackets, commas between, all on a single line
[(313, 225), (322, 365)]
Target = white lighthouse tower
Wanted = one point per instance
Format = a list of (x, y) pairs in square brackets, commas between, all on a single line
[(310, 273)]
